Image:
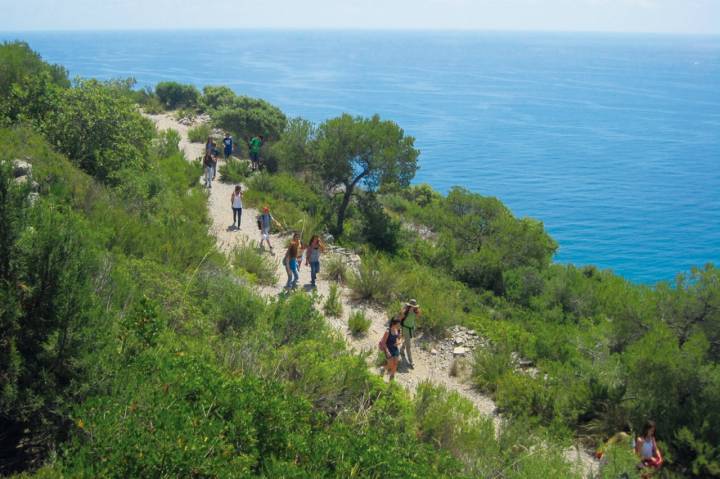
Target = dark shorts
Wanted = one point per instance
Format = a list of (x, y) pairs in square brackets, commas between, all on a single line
[(254, 156), (228, 152), (394, 352)]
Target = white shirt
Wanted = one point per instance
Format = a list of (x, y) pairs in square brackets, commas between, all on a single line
[(237, 201)]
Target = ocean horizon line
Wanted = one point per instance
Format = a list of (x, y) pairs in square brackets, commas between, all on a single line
[(371, 30)]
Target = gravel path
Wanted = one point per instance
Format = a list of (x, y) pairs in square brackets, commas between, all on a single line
[(433, 361)]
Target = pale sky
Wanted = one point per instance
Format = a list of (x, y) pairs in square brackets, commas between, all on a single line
[(675, 16)]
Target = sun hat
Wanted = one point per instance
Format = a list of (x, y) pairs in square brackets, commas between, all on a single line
[(412, 303)]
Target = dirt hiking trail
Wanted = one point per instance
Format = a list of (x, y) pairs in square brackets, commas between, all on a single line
[(433, 361)]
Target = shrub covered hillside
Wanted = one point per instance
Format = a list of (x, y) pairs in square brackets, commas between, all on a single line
[(605, 355), (130, 348)]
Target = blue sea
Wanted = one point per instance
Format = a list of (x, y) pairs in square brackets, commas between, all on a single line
[(613, 141)]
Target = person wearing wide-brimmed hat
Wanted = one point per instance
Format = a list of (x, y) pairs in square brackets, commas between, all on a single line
[(408, 319)]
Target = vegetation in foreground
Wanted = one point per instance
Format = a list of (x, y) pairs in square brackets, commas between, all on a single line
[(154, 357), (131, 348)]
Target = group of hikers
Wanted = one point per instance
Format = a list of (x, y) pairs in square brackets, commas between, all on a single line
[(210, 158), (397, 340)]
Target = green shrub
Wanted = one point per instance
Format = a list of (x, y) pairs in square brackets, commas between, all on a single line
[(294, 318), (167, 143), (199, 133), (377, 227), (358, 323), (262, 269), (333, 303), (175, 95), (375, 280), (245, 117), (335, 269), (99, 128), (489, 365), (29, 87), (450, 422), (215, 97), (234, 307), (153, 106), (234, 171)]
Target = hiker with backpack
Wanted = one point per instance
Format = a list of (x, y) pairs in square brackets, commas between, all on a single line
[(237, 205), (390, 345), (292, 256), (408, 317), (312, 257), (264, 222), (255, 144)]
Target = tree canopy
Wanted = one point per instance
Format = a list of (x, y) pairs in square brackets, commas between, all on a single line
[(354, 151), (246, 117)]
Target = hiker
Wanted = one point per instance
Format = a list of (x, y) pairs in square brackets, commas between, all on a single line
[(228, 142), (209, 145), (236, 203), (214, 153), (646, 448), (312, 257), (292, 256), (408, 317), (255, 144), (265, 221), (209, 165), (389, 344)]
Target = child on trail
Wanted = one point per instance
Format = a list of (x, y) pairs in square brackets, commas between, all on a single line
[(255, 144), (408, 317), (646, 447), (312, 257), (292, 256), (389, 344), (265, 221), (228, 142), (209, 165), (236, 203)]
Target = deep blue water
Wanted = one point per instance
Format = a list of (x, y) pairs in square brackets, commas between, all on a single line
[(613, 141)]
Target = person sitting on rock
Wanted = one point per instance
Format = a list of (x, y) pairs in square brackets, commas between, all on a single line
[(646, 447)]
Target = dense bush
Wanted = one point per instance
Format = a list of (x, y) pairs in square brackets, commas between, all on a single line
[(246, 117), (333, 303), (29, 87), (254, 264), (377, 227), (358, 323), (234, 171), (375, 281), (99, 129), (334, 268), (215, 97), (47, 318), (176, 95), (199, 133), (294, 151)]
